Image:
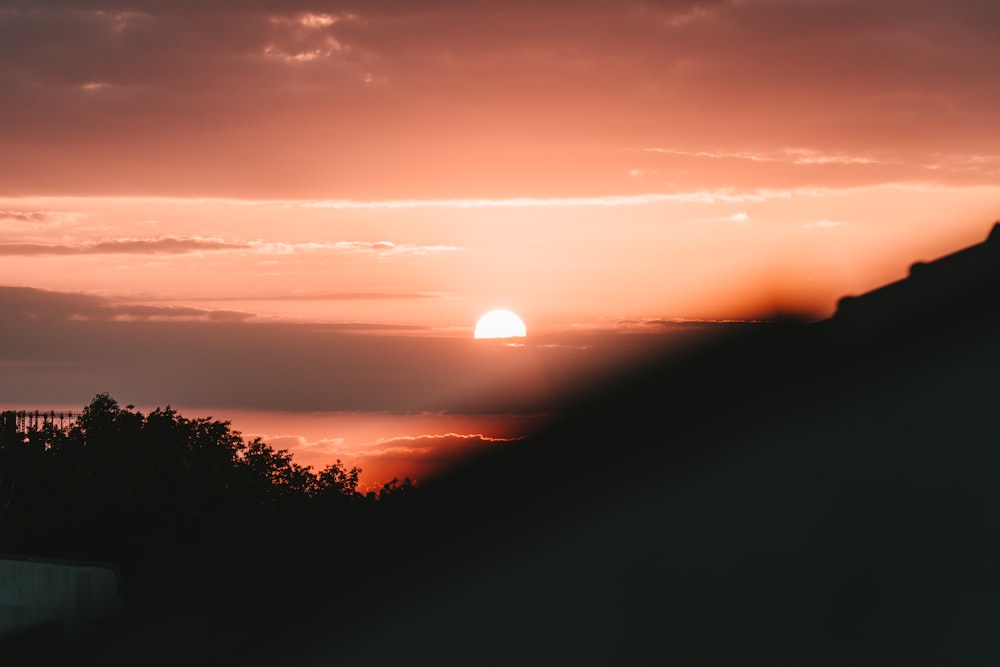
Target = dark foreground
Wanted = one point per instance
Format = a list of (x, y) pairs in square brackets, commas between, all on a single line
[(797, 494)]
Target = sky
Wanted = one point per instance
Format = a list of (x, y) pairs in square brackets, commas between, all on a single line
[(291, 214)]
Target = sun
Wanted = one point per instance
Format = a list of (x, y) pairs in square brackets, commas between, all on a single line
[(500, 324)]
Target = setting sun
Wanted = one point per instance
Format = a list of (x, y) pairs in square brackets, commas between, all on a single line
[(500, 324)]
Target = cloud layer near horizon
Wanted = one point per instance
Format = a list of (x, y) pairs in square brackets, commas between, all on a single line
[(63, 348)]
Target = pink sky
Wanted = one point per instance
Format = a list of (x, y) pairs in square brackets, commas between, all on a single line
[(200, 172)]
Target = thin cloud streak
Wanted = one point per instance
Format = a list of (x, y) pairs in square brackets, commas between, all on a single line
[(441, 436), (797, 156), (50, 307), (700, 197), (390, 248), (40, 217), (957, 162), (35, 219), (170, 245), (822, 223), (327, 296), (380, 248)]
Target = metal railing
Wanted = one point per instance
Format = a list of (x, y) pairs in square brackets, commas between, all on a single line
[(23, 420)]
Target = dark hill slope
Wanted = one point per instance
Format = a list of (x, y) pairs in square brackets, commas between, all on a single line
[(796, 494)]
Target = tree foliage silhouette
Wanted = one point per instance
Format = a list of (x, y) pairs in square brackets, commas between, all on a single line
[(120, 486)]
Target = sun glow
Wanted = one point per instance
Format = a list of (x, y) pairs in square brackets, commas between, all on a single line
[(500, 324)]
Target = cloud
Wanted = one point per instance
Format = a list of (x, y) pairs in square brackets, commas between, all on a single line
[(305, 37), (795, 156), (740, 217), (706, 154), (333, 296), (872, 164), (166, 245), (724, 195), (823, 224), (49, 307), (143, 313), (424, 444), (390, 248), (988, 164), (171, 245), (149, 354), (331, 446), (312, 21), (379, 248), (41, 217), (257, 93), (807, 156), (420, 456), (32, 218), (419, 442)]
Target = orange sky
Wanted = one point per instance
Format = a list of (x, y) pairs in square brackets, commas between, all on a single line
[(391, 170)]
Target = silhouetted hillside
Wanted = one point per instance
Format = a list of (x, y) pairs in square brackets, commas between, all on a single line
[(960, 286), (797, 494)]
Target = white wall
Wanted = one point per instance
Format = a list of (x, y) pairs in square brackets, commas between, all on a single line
[(36, 591)]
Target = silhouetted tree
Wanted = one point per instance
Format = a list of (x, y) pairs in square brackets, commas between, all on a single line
[(395, 489), (338, 483), (121, 486), (277, 476)]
